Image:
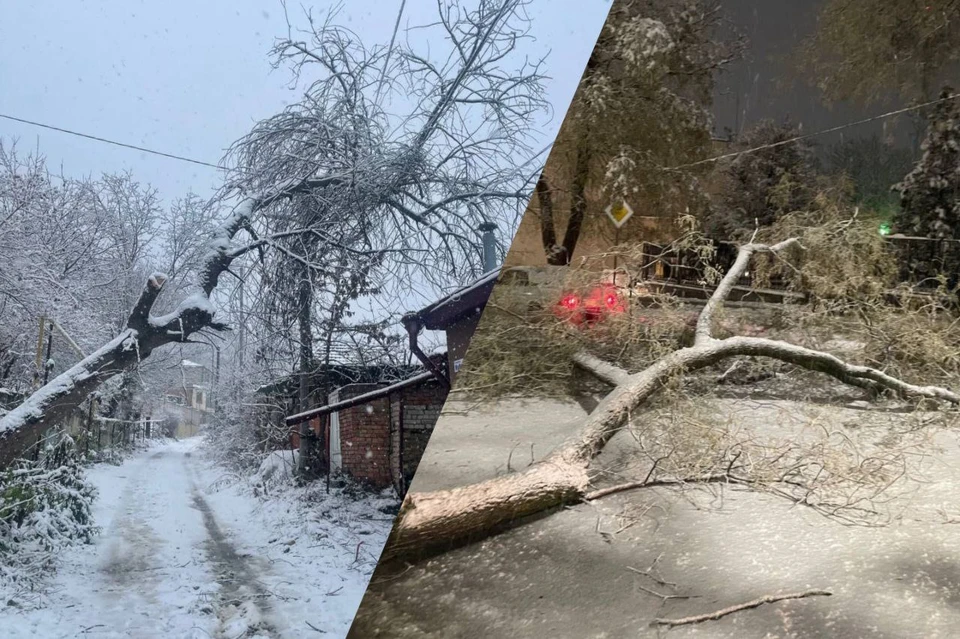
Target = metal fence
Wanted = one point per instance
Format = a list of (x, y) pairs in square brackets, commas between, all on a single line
[(95, 435)]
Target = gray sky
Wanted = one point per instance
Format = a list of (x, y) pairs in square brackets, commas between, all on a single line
[(769, 84), (188, 77)]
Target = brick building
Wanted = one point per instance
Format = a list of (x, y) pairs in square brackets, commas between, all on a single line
[(382, 440), (376, 432)]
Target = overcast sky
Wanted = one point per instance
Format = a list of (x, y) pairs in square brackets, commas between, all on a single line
[(189, 78)]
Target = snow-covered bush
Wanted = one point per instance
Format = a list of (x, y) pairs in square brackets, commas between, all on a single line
[(276, 469), (236, 438), (930, 193), (44, 506)]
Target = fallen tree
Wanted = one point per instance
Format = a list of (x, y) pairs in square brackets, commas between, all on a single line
[(21, 427), (431, 520)]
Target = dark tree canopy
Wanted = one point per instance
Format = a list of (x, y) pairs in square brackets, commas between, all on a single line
[(757, 188), (870, 49), (872, 166)]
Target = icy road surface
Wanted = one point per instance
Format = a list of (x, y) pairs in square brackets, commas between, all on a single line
[(189, 552)]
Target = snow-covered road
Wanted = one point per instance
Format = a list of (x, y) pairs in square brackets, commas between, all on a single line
[(186, 551)]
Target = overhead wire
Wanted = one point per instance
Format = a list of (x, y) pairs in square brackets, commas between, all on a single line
[(113, 142), (716, 158), (806, 136)]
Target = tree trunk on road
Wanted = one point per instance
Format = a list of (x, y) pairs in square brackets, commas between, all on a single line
[(432, 520)]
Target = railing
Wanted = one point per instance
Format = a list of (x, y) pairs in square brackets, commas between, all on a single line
[(922, 261)]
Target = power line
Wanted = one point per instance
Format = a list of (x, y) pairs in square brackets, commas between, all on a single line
[(716, 158), (98, 139), (815, 134)]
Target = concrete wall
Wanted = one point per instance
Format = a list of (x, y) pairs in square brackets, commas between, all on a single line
[(188, 420)]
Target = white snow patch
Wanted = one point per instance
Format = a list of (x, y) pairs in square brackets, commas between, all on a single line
[(276, 468), (196, 301), (320, 548), (150, 574)]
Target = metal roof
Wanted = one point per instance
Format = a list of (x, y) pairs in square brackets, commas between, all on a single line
[(305, 416), (462, 303)]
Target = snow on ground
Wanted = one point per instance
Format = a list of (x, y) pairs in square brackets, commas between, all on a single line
[(605, 570), (188, 551)]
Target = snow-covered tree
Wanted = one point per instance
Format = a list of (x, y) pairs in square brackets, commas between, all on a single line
[(413, 187), (930, 193), (641, 107)]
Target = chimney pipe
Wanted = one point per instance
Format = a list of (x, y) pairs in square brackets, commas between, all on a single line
[(489, 246)]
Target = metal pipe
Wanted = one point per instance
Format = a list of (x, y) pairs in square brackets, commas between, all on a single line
[(489, 246), (413, 326), (313, 413)]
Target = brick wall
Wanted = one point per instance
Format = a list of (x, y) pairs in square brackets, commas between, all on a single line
[(365, 437), (418, 410), (396, 474), (372, 447)]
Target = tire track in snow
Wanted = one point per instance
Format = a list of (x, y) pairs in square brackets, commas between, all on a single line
[(244, 607), (141, 586)]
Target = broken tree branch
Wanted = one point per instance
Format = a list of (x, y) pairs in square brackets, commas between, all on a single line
[(431, 519), (51, 403), (704, 330)]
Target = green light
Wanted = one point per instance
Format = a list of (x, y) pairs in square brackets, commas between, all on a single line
[(885, 229)]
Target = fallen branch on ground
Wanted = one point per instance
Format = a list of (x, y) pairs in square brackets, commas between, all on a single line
[(435, 519), (756, 603)]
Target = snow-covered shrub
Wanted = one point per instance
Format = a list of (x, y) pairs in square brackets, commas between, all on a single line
[(110, 455), (277, 468), (44, 506), (930, 193)]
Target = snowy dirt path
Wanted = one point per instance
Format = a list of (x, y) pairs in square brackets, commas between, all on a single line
[(178, 559)]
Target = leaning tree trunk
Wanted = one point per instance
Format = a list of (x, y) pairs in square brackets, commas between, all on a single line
[(432, 520), (51, 403)]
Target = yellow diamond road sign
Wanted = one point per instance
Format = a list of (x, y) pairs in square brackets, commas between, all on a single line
[(619, 213)]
